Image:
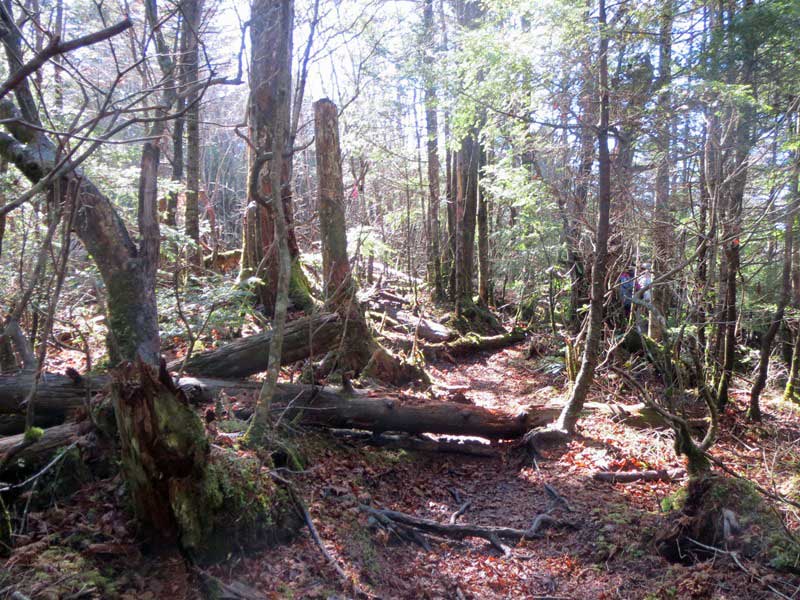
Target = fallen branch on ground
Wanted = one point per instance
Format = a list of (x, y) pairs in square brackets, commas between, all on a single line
[(419, 443), (491, 534), (647, 475)]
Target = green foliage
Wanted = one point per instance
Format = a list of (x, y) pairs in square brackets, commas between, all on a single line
[(33, 434)]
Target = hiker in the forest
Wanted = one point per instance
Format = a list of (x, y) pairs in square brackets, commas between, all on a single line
[(626, 288), (643, 282)]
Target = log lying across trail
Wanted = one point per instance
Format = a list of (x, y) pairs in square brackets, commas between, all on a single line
[(328, 408), (308, 336), (323, 407), (647, 475), (472, 343)]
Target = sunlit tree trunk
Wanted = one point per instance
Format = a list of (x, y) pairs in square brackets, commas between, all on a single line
[(569, 415), (432, 130), (754, 410), (271, 26), (662, 227)]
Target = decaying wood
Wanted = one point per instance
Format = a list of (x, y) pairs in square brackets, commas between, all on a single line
[(56, 394), (40, 451), (329, 408), (470, 344), (424, 443), (305, 337), (426, 329), (647, 475)]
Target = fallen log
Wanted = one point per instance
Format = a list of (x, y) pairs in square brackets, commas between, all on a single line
[(56, 394), (422, 444), (303, 338), (428, 330), (646, 475), (39, 452), (472, 343), (329, 408)]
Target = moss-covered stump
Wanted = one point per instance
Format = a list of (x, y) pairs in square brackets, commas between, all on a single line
[(241, 507), (473, 318), (182, 493), (388, 368), (726, 513)]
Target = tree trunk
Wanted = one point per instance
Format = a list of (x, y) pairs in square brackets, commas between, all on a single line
[(357, 344), (484, 268), (662, 226), (569, 416), (468, 160), (271, 26), (432, 130), (754, 410), (192, 14)]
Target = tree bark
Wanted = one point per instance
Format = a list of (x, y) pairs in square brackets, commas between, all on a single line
[(271, 26), (754, 409), (303, 338), (432, 130), (662, 226), (357, 344), (569, 416), (192, 14), (467, 159)]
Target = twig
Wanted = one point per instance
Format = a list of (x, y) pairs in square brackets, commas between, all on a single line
[(462, 509)]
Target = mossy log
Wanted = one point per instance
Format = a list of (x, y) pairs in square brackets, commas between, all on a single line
[(305, 337), (426, 329), (36, 454), (472, 343)]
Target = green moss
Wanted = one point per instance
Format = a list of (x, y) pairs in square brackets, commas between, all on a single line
[(62, 572), (33, 434), (674, 501), (242, 508), (231, 425), (299, 288)]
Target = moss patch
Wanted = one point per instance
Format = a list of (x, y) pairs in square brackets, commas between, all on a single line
[(243, 508)]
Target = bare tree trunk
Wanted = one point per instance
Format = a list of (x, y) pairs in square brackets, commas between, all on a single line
[(662, 226), (484, 266), (58, 70), (192, 14), (268, 192), (754, 410), (432, 129), (271, 24), (569, 416), (357, 344)]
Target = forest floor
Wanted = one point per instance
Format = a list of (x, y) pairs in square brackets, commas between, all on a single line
[(85, 546)]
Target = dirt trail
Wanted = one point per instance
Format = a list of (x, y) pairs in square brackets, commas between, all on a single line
[(91, 540), (610, 555)]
